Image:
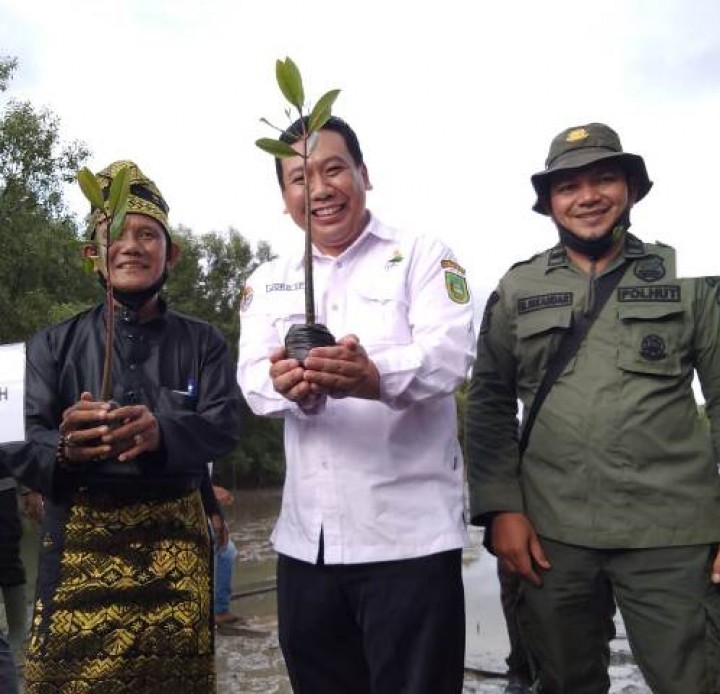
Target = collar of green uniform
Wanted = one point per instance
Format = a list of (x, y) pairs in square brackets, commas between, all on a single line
[(633, 248)]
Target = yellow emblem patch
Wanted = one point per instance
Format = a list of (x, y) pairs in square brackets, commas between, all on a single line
[(577, 134), (457, 288), (452, 264)]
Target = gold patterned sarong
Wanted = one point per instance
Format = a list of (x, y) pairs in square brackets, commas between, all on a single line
[(125, 604)]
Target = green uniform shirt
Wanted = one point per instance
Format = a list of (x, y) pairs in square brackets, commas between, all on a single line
[(618, 457)]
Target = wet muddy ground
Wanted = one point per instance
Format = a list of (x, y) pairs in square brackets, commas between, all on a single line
[(251, 661), (249, 658)]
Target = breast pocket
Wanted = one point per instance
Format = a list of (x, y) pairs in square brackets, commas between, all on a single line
[(289, 310), (650, 339), (378, 314), (172, 400), (539, 334)]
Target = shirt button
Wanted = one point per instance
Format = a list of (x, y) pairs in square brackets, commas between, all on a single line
[(334, 307), (339, 263), (132, 366), (324, 464)]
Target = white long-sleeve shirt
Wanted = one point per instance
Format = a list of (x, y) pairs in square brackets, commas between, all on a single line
[(383, 479)]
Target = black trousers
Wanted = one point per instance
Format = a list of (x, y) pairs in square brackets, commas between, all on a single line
[(12, 571), (394, 627)]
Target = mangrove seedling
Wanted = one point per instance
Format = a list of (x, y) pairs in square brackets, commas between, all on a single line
[(301, 338), (108, 217)]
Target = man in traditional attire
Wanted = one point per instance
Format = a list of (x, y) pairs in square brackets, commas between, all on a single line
[(124, 597)]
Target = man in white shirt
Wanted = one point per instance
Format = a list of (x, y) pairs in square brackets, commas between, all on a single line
[(370, 595)]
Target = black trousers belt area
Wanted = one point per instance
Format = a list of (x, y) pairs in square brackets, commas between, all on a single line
[(373, 628)]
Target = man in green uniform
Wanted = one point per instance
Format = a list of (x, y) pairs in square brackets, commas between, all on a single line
[(613, 494)]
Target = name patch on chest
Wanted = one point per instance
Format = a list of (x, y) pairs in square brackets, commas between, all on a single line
[(284, 287), (529, 304), (663, 293)]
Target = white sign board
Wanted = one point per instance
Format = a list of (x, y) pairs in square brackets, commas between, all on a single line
[(12, 392)]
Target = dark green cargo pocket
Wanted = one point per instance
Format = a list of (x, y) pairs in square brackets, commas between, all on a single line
[(539, 335), (650, 339)]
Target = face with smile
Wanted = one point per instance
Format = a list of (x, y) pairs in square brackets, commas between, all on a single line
[(138, 258), (588, 202), (337, 193)]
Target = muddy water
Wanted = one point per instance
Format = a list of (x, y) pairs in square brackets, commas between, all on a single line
[(250, 660)]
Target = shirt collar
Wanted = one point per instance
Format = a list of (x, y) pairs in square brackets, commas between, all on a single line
[(633, 248), (372, 228)]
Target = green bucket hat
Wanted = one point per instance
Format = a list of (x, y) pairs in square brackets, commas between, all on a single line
[(145, 197), (582, 145)]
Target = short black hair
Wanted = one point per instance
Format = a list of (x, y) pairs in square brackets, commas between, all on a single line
[(337, 125)]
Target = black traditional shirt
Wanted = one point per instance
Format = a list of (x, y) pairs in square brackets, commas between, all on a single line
[(178, 366)]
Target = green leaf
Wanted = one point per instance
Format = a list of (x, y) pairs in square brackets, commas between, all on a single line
[(278, 149), (90, 187), (322, 110), (312, 143), (290, 82), (118, 219), (119, 191)]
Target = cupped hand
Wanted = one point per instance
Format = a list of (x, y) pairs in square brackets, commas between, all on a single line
[(343, 370)]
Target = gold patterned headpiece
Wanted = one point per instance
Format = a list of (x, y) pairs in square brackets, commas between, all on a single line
[(145, 197)]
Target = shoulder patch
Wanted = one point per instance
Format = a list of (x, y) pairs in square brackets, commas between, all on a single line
[(452, 265), (651, 268), (457, 288)]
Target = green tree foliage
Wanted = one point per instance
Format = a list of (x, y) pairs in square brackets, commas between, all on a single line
[(42, 280), (211, 273), (40, 266), (207, 282)]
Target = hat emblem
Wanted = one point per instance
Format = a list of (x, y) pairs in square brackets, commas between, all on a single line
[(577, 134)]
